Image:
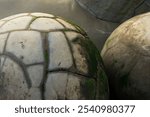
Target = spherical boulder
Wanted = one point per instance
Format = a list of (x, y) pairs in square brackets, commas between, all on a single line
[(43, 56), (112, 10), (126, 56)]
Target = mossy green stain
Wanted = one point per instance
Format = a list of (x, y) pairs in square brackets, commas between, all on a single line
[(89, 88), (46, 55), (103, 76), (75, 25), (114, 61), (95, 68), (92, 55), (102, 85), (124, 79)]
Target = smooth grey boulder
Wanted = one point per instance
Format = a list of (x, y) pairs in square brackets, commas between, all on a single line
[(111, 10)]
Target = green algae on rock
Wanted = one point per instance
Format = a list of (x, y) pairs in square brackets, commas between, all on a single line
[(43, 56)]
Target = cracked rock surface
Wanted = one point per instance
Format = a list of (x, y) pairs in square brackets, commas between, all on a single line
[(43, 56)]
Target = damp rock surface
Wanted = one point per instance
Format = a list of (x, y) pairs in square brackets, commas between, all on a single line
[(126, 56), (47, 57)]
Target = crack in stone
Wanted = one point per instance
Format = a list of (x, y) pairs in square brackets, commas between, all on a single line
[(139, 5), (71, 50), (61, 23), (21, 64), (45, 45), (108, 50), (64, 70), (6, 42), (2, 64), (28, 26), (6, 21), (32, 64), (43, 31), (66, 86), (1, 68)]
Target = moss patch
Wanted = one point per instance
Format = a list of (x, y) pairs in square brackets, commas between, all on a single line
[(89, 88), (92, 55), (103, 76), (124, 80), (102, 85), (75, 25), (95, 68), (46, 55)]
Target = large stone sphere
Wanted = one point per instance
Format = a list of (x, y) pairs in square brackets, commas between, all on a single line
[(112, 10), (45, 57), (126, 56)]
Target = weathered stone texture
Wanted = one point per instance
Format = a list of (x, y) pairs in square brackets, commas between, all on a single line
[(126, 56)]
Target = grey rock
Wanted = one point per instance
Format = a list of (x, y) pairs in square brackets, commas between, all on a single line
[(111, 10), (126, 56)]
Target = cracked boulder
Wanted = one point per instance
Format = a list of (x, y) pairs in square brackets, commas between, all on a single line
[(113, 10), (45, 57), (126, 56)]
